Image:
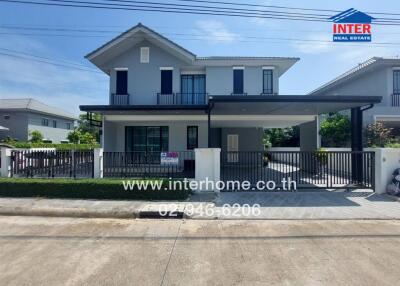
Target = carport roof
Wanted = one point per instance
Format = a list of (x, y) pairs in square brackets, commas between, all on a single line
[(288, 104), (248, 105)]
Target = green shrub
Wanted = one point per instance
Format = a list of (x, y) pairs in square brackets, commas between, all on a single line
[(108, 189), (36, 136), (392, 145), (27, 145)]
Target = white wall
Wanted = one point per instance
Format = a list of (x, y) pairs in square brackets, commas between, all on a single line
[(387, 160)]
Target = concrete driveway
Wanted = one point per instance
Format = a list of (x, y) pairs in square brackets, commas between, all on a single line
[(318, 204), (67, 251)]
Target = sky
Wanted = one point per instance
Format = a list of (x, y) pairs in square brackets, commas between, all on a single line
[(204, 35)]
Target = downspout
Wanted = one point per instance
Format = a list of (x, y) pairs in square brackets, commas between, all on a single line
[(209, 109)]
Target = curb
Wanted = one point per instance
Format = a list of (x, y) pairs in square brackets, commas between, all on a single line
[(75, 213)]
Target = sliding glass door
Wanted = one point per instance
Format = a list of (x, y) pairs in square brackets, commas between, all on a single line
[(193, 88), (146, 142)]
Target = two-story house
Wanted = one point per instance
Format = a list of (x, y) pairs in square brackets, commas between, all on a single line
[(164, 98), (21, 116), (375, 76)]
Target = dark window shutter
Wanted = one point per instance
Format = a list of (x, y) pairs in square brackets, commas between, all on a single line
[(122, 82), (166, 81)]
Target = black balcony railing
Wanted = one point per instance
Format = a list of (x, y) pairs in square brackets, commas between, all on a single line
[(119, 99), (396, 99), (181, 98)]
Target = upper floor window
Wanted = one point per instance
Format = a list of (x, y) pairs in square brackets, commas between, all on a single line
[(54, 123), (122, 82), (144, 55), (396, 81), (68, 125), (267, 81), (192, 137), (45, 122), (238, 85), (166, 80)]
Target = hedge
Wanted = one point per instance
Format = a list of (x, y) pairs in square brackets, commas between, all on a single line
[(26, 145), (107, 189)]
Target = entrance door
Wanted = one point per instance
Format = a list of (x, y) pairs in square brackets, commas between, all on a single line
[(233, 146)]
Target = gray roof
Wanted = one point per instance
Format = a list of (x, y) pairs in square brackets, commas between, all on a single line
[(358, 70), (126, 36), (223, 58), (122, 42), (30, 104)]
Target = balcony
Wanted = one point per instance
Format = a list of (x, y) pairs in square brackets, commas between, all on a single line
[(396, 99), (182, 99), (119, 99)]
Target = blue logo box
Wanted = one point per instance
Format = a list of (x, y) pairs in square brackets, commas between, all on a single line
[(351, 38)]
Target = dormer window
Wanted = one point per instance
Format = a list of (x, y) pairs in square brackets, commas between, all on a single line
[(144, 55)]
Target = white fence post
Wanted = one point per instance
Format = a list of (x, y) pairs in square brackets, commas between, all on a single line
[(98, 163), (5, 170), (386, 161), (207, 167)]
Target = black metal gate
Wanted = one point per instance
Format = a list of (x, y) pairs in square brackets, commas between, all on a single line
[(321, 169), (52, 163)]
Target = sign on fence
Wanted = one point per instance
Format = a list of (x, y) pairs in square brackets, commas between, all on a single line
[(169, 158)]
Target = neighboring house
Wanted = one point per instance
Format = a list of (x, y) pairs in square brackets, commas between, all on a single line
[(377, 76), (164, 98), (22, 116)]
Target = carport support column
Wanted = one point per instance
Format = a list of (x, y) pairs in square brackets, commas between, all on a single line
[(210, 107), (356, 144)]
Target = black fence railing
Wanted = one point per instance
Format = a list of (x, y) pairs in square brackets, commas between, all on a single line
[(308, 169), (52, 163), (396, 99), (149, 164), (119, 99), (181, 99)]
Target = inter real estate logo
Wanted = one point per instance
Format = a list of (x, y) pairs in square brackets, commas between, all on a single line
[(352, 26)]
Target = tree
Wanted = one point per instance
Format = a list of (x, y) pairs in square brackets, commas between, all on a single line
[(74, 136), (87, 138), (36, 136), (85, 127), (282, 137), (377, 135), (335, 131), (77, 137)]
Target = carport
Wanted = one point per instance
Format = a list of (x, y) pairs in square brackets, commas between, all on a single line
[(353, 168)]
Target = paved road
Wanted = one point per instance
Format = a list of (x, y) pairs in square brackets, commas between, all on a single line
[(68, 251)]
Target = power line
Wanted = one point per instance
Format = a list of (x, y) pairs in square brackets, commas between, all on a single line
[(172, 8), (199, 37), (23, 56), (76, 4)]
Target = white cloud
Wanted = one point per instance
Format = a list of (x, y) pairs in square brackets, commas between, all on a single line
[(215, 32), (60, 86)]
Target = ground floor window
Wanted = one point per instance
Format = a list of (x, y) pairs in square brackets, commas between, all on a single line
[(146, 138), (192, 137)]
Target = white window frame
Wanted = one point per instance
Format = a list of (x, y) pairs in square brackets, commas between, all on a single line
[(238, 68), (143, 60), (121, 69), (166, 68)]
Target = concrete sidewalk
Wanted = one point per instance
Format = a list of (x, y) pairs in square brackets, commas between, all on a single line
[(279, 205)]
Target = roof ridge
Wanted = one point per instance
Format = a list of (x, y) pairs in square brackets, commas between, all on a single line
[(347, 73)]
